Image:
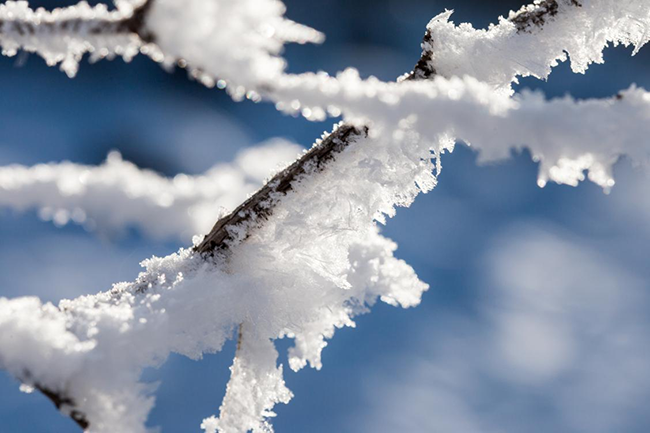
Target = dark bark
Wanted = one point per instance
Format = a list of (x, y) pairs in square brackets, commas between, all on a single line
[(61, 401), (527, 20)]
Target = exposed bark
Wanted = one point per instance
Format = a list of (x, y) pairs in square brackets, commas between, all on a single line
[(424, 69), (64, 403), (528, 19)]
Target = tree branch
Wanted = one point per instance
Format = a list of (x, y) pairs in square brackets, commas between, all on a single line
[(259, 207), (58, 21), (527, 19), (62, 403)]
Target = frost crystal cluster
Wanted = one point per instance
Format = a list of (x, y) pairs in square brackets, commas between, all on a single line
[(302, 256)]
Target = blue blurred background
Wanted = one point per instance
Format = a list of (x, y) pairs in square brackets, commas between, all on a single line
[(537, 317)]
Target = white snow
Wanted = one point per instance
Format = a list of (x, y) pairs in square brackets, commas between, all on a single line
[(275, 283), (500, 54), (116, 195), (42, 32), (567, 136), (230, 44), (319, 260), (234, 44)]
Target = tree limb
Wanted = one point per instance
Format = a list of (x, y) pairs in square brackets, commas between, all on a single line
[(259, 206), (101, 25), (252, 213)]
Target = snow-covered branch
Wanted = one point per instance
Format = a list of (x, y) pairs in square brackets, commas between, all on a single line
[(313, 257), (236, 226), (316, 262), (118, 195), (568, 136), (221, 42), (236, 45), (549, 23), (64, 35), (531, 41)]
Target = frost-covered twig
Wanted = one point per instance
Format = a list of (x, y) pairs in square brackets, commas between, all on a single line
[(315, 262), (236, 45), (528, 19), (65, 35), (117, 195), (235, 226), (318, 260), (221, 42), (566, 135)]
